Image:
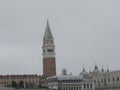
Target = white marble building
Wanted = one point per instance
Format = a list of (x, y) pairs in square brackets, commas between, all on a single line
[(106, 80), (94, 80), (70, 82)]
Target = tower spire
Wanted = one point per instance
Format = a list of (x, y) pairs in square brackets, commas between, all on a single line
[(49, 62), (83, 68), (48, 34), (102, 69), (96, 67), (107, 69)]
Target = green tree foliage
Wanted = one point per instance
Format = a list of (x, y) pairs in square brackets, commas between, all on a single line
[(21, 84), (14, 84)]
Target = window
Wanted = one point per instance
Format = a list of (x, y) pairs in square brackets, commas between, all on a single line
[(87, 85), (101, 80), (108, 79), (117, 78), (95, 81), (105, 83), (77, 88), (90, 85), (84, 86), (44, 50), (74, 88), (66, 88), (113, 79)]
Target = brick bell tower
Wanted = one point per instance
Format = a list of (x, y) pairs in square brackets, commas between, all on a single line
[(49, 63)]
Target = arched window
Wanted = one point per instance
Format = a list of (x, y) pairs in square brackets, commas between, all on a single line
[(113, 79), (87, 85), (117, 78), (84, 85), (108, 79), (91, 85)]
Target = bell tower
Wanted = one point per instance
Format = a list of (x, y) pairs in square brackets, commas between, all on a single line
[(49, 63)]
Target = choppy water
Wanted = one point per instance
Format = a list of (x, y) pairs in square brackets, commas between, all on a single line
[(4, 88)]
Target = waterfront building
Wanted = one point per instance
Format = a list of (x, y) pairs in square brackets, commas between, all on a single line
[(70, 82), (106, 80), (23, 81)]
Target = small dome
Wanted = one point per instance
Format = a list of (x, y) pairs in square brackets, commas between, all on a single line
[(96, 70), (84, 73)]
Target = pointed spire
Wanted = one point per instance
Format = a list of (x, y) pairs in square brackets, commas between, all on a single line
[(90, 70), (83, 68), (102, 69), (95, 63), (107, 69), (48, 34), (96, 67)]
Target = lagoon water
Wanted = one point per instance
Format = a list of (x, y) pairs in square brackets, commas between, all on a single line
[(4, 88)]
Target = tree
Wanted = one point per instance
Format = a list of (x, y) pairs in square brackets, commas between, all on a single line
[(21, 84), (14, 84)]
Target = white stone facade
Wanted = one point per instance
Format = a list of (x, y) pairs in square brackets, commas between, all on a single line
[(70, 82), (107, 80)]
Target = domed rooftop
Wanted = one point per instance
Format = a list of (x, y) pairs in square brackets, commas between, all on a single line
[(96, 70), (84, 72)]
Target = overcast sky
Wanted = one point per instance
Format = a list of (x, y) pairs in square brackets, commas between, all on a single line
[(85, 32)]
